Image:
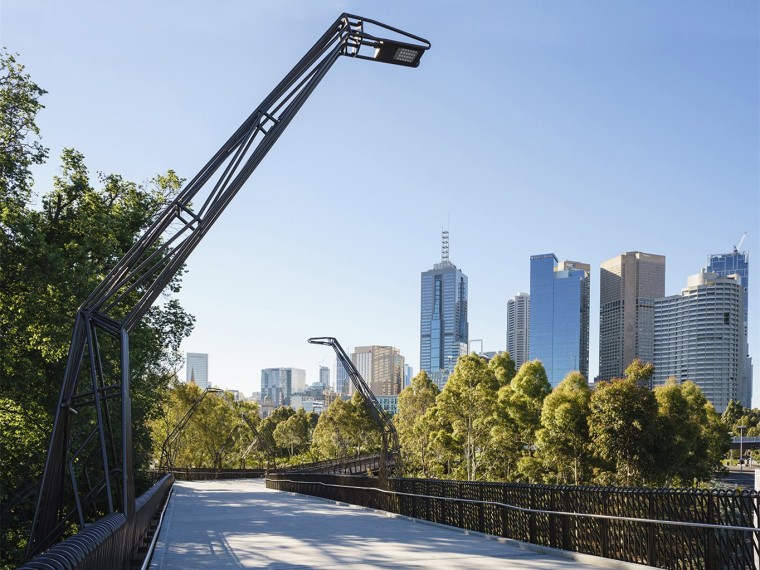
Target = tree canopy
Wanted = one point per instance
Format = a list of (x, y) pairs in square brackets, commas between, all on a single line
[(56, 246)]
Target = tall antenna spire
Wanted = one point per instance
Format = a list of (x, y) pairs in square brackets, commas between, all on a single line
[(445, 246)]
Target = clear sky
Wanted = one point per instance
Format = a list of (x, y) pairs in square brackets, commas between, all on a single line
[(585, 128)]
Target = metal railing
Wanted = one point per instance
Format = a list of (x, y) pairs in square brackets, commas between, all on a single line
[(203, 474), (357, 465), (111, 542), (667, 528)]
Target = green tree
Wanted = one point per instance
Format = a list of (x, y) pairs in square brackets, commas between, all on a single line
[(503, 368), (640, 372), (465, 412), (733, 414), (345, 429), (520, 405), (270, 423), (53, 256), (414, 425), (20, 146), (623, 428), (293, 433), (331, 439), (215, 435), (563, 439), (695, 440)]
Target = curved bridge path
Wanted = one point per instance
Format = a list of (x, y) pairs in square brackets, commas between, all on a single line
[(242, 524)]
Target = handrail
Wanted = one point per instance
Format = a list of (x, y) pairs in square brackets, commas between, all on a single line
[(152, 545), (529, 510)]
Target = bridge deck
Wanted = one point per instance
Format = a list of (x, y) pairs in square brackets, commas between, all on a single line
[(242, 524)]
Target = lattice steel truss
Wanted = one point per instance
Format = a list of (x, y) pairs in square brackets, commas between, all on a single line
[(88, 471), (390, 454)]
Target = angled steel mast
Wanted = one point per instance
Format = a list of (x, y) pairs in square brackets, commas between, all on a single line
[(390, 444), (168, 451), (88, 470)]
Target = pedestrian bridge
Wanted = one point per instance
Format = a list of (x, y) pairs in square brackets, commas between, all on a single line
[(307, 519), (242, 524)]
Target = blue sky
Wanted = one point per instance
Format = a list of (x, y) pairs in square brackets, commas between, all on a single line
[(585, 129)]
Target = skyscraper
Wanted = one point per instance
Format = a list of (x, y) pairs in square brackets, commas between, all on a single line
[(697, 337), (518, 328), (737, 263), (382, 368), (629, 284), (559, 315), (279, 384), (443, 317), (324, 376), (196, 369), (408, 375), (342, 380)]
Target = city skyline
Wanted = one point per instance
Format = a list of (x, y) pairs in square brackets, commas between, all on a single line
[(591, 132)]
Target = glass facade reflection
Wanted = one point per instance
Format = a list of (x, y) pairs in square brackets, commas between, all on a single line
[(443, 318), (559, 315)]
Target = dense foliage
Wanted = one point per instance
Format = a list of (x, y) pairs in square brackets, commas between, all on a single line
[(55, 248), (490, 423), (216, 434)]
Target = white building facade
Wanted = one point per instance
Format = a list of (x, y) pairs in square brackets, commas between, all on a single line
[(518, 328), (698, 335)]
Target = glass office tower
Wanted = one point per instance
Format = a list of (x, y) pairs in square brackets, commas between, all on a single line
[(737, 263), (196, 369), (279, 384), (443, 317), (559, 315)]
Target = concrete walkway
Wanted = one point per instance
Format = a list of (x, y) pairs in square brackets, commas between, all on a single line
[(242, 524)]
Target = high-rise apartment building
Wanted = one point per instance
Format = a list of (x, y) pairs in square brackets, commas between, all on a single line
[(279, 384), (382, 368), (443, 317), (559, 315), (698, 334), (629, 284), (737, 263), (196, 369), (518, 328)]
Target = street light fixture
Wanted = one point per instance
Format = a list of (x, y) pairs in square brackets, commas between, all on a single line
[(89, 468), (741, 446)]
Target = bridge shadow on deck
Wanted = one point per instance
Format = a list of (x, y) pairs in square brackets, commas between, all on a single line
[(241, 524)]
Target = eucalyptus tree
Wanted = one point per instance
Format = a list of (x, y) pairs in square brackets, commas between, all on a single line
[(563, 440), (466, 415), (623, 425), (415, 425)]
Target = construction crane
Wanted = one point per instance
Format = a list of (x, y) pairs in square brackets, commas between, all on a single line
[(89, 465), (391, 450), (738, 246)]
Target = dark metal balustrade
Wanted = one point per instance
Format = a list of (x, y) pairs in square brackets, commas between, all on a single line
[(690, 529), (113, 541)]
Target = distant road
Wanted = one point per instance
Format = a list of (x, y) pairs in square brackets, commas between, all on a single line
[(744, 478)]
